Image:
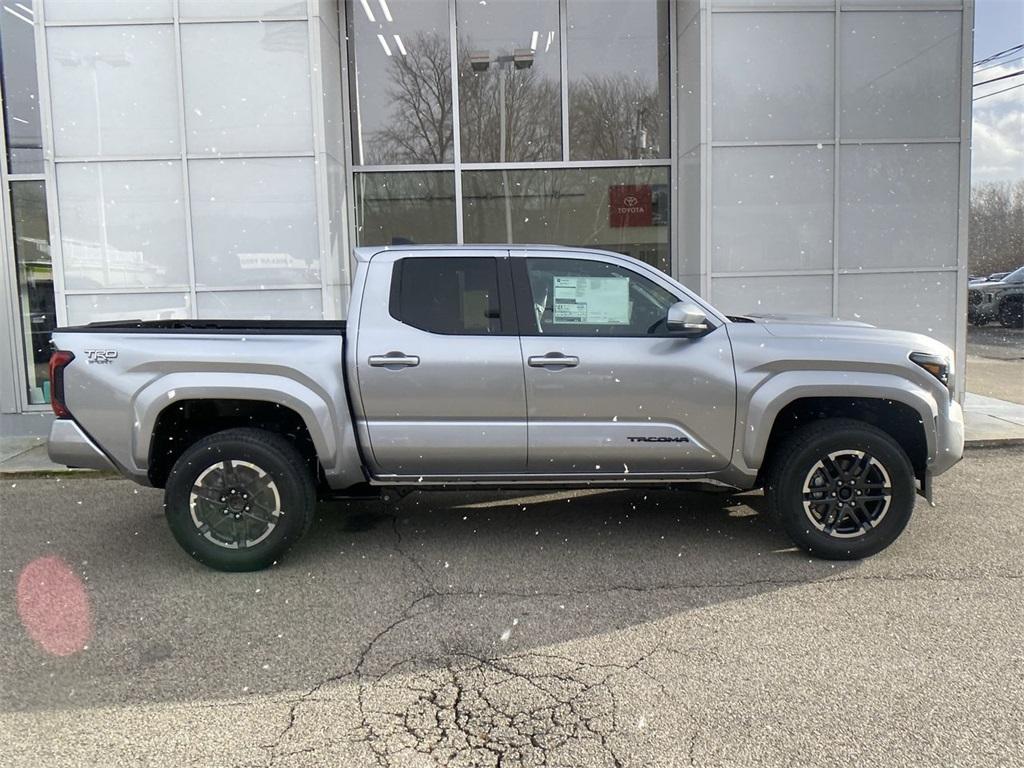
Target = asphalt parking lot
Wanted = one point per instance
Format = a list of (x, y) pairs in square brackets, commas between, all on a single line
[(595, 629)]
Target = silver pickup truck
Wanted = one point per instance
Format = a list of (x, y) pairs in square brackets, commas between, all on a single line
[(494, 367)]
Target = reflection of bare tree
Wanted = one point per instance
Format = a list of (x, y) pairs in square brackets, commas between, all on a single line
[(420, 129), (619, 117), (611, 117), (533, 122)]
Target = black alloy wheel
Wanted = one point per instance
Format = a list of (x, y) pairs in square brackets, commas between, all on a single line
[(847, 493)]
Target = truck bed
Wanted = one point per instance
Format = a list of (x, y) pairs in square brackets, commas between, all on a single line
[(281, 327)]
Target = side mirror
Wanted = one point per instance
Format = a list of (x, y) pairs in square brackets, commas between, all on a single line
[(686, 319)]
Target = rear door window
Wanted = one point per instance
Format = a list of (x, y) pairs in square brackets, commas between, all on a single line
[(453, 296)]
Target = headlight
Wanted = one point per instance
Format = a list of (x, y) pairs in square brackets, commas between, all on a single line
[(939, 367)]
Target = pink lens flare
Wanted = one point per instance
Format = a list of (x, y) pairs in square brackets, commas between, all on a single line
[(54, 606)]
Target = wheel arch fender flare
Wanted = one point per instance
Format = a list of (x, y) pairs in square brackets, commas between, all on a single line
[(164, 391), (767, 401)]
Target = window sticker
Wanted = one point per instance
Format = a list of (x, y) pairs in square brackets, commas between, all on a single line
[(591, 300)]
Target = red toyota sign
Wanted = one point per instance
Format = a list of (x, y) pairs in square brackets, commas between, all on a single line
[(629, 205)]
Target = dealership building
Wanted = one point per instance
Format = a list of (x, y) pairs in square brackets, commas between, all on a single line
[(221, 158)]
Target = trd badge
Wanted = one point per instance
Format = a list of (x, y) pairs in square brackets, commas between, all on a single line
[(101, 355)]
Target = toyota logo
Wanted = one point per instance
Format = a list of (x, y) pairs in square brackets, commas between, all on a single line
[(630, 201)]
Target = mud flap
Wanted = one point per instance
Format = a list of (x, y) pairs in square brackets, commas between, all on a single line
[(926, 486)]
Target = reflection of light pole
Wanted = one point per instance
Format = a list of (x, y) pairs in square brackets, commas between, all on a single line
[(480, 61), (640, 134), (92, 62)]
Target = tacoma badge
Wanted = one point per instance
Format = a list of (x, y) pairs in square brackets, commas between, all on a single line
[(658, 439)]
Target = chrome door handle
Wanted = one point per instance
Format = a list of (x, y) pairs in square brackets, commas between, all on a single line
[(553, 360), (394, 359)]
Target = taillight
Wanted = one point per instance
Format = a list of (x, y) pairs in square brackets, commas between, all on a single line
[(58, 362)]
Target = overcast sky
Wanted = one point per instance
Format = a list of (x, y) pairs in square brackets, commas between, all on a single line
[(998, 145)]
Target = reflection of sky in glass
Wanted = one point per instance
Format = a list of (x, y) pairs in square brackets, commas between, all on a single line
[(21, 95), (614, 37)]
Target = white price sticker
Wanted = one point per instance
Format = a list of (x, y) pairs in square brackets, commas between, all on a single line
[(591, 300)]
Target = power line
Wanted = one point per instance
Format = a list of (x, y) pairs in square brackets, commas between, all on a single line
[(1000, 54), (996, 93), (1001, 77), (1005, 63)]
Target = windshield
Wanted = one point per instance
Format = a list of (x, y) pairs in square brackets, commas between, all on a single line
[(1017, 276)]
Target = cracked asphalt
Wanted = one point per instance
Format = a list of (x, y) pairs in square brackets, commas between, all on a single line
[(613, 628)]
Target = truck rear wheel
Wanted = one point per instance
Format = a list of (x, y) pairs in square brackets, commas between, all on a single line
[(237, 500), (842, 489)]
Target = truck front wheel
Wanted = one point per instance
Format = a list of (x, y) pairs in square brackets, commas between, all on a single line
[(1011, 313), (238, 499), (842, 489)]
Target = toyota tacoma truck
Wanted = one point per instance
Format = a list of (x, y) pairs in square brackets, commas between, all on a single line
[(507, 367), (1001, 300)]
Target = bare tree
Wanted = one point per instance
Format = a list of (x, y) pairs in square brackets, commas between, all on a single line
[(996, 233)]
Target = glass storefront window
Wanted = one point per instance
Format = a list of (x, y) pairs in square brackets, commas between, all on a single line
[(618, 105), (122, 225), (402, 208), (400, 81), (621, 209), (35, 283), (20, 91), (509, 81)]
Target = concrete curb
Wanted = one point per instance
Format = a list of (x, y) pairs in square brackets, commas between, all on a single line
[(8, 473), (998, 442)]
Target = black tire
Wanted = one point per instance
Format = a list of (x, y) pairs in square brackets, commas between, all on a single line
[(220, 470), (843, 514), (1011, 314)]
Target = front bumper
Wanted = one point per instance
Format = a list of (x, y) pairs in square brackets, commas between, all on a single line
[(949, 439), (70, 446)]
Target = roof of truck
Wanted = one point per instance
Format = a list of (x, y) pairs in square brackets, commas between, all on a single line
[(366, 252)]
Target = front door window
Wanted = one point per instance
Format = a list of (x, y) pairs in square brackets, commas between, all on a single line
[(578, 297)]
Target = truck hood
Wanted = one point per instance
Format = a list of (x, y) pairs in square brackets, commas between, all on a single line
[(988, 285), (800, 319), (846, 332)]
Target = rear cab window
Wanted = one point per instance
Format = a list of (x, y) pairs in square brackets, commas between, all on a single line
[(447, 295)]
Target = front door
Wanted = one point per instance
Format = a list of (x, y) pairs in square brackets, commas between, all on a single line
[(608, 390), (439, 369)]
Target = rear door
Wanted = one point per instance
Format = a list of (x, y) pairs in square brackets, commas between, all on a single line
[(439, 367), (608, 390)]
